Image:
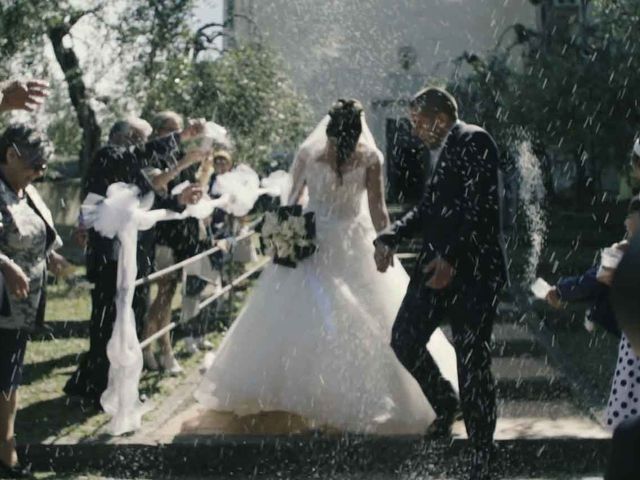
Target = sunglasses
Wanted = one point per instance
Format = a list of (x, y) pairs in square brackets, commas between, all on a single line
[(221, 160), (34, 162)]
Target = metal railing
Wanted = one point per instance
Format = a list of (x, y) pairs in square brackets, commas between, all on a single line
[(208, 301), (226, 289)]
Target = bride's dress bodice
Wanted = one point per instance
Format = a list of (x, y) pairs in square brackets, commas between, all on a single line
[(333, 199)]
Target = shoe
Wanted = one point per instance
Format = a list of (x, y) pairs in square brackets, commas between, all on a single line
[(191, 345), (483, 464), (169, 364), (441, 427), (204, 344), (150, 362), (17, 471)]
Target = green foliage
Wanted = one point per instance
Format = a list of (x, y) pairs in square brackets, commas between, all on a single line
[(244, 90), (577, 93)]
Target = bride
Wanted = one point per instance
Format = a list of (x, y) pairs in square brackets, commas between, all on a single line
[(314, 340)]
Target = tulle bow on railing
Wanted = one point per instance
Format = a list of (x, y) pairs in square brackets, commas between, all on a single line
[(122, 213)]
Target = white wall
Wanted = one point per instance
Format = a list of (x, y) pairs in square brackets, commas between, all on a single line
[(348, 48)]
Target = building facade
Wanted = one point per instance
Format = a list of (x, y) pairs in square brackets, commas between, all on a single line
[(381, 51)]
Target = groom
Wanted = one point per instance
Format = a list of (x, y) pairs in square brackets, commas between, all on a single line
[(460, 270)]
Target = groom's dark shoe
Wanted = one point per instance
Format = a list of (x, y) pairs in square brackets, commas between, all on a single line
[(442, 425)]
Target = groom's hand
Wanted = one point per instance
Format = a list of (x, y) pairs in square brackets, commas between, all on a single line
[(441, 273), (383, 256)]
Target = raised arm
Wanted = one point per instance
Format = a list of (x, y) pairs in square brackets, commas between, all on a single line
[(375, 194)]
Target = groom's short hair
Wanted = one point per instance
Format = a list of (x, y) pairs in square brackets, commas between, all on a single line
[(435, 100)]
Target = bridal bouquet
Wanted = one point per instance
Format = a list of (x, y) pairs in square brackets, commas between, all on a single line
[(287, 235)]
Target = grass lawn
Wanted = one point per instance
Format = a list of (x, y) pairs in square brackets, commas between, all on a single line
[(46, 414)]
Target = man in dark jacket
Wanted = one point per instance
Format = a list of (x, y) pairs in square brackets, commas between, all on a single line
[(122, 160), (460, 271)]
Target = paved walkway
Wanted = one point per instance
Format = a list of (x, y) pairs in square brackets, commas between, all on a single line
[(541, 431)]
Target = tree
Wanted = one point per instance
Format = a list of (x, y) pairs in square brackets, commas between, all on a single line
[(24, 23), (246, 91), (576, 95)]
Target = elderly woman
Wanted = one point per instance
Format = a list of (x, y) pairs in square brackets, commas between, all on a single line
[(207, 271), (27, 240)]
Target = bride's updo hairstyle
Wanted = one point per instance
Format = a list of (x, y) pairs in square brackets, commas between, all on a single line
[(345, 126)]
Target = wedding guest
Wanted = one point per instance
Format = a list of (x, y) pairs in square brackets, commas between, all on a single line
[(175, 241), (18, 95), (630, 179), (207, 271), (460, 272), (121, 160), (27, 242), (635, 159), (624, 463), (594, 286)]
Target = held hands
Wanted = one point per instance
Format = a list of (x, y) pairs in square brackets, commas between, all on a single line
[(16, 280), (383, 257), (190, 195), (27, 96), (441, 272)]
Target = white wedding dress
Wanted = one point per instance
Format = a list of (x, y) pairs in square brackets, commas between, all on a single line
[(314, 340)]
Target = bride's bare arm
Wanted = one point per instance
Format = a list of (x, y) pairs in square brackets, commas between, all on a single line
[(298, 182), (375, 193)]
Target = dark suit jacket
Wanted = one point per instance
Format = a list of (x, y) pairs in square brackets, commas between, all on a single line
[(587, 288), (459, 216), (119, 164)]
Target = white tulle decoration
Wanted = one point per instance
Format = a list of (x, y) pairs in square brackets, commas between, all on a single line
[(239, 189), (214, 136), (123, 213), (278, 184)]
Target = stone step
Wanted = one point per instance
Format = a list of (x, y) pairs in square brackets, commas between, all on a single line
[(527, 378), (517, 420), (529, 420), (510, 340), (317, 457)]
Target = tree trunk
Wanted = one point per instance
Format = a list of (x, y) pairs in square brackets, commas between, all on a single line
[(70, 65)]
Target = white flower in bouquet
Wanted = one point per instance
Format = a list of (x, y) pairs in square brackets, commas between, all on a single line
[(286, 230), (270, 247), (270, 225), (281, 246), (299, 226), (302, 242)]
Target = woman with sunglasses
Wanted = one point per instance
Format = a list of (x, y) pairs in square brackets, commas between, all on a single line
[(27, 240)]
